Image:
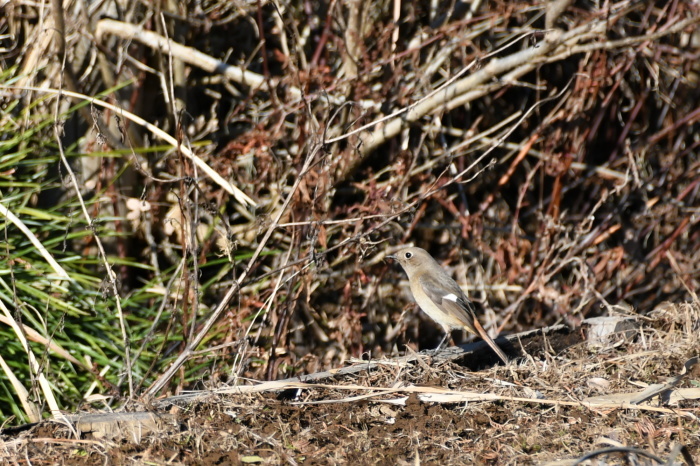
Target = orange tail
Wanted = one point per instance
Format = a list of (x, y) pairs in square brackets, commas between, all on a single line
[(482, 333)]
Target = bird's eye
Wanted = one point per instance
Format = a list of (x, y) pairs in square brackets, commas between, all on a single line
[(408, 255)]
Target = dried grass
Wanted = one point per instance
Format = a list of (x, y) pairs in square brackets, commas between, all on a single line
[(545, 151)]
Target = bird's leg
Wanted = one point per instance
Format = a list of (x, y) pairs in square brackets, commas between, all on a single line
[(439, 347), (448, 333)]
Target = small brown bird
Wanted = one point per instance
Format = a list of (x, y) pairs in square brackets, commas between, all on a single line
[(439, 295)]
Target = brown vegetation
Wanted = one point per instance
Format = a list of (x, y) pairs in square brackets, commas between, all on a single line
[(242, 169)]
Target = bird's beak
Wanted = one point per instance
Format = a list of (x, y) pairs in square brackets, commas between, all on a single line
[(391, 256)]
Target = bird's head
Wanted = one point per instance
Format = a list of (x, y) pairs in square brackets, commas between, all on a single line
[(411, 258)]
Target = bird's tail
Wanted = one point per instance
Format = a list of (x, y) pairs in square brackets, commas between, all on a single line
[(482, 333)]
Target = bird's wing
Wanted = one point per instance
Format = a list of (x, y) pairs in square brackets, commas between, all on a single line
[(454, 302)]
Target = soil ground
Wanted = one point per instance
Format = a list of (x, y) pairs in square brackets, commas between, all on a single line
[(570, 395)]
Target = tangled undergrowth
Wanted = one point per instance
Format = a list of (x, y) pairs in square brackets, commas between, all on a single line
[(206, 192)]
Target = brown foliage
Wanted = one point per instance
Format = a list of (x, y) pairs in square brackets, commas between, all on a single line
[(555, 170)]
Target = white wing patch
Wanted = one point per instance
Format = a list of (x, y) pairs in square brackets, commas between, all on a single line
[(451, 297)]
